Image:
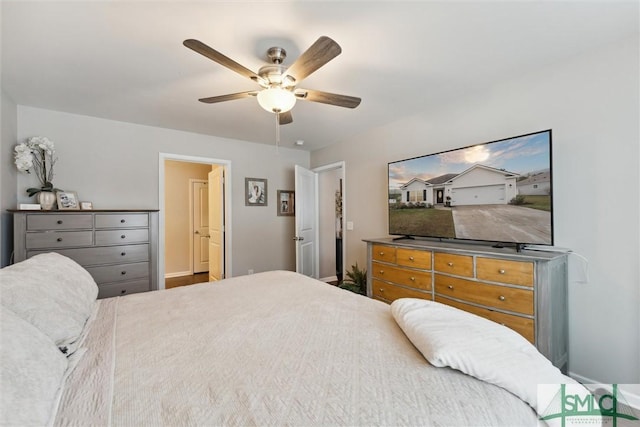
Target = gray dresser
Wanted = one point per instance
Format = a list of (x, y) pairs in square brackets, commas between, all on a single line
[(118, 247)]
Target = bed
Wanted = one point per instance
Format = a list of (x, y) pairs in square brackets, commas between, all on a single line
[(274, 348)]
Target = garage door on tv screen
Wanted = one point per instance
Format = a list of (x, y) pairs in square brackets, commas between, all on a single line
[(499, 191)]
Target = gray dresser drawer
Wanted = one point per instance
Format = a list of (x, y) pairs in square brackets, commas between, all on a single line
[(58, 239), (119, 289), (120, 220), (58, 222), (104, 254), (119, 272), (123, 237)]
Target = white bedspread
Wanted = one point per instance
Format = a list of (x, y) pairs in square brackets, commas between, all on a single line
[(274, 348)]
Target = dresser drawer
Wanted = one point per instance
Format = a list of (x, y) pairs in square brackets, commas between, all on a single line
[(460, 265), (413, 258), (384, 253), (505, 271), (119, 272), (403, 276), (114, 237), (58, 221), (120, 220), (120, 289), (104, 255), (501, 297), (390, 293), (58, 239), (522, 325)]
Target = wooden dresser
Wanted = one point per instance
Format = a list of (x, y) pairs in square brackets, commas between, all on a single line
[(118, 247), (526, 291)]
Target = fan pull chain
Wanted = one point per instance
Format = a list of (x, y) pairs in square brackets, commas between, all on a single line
[(278, 132)]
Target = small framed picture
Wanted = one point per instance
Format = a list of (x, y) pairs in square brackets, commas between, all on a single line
[(86, 206), (255, 192), (67, 200), (286, 203)]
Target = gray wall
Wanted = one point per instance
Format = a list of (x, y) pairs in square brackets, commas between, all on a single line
[(9, 124), (115, 165), (591, 103)]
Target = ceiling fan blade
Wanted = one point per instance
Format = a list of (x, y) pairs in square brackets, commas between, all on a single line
[(321, 52), (286, 118), (229, 97), (328, 98), (216, 56)]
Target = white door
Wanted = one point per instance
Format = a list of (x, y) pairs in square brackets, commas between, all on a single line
[(306, 206), (200, 223), (216, 224)]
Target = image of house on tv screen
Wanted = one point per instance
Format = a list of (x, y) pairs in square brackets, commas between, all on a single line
[(498, 191)]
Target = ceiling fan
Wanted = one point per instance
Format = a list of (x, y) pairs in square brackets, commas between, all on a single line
[(279, 84)]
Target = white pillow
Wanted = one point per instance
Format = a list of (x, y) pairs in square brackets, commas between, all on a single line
[(52, 292), (447, 336), (31, 372)]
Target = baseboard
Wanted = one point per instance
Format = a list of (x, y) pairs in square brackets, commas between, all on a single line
[(329, 279), (177, 274), (632, 398)]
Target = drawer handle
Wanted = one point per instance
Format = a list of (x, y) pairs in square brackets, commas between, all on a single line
[(123, 253), (450, 264), (501, 298), (501, 271), (123, 237), (59, 239), (450, 287), (410, 258), (122, 221), (123, 272), (59, 221), (381, 271), (381, 253), (381, 290), (413, 279)]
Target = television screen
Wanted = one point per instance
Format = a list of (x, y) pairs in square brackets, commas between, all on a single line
[(499, 191)]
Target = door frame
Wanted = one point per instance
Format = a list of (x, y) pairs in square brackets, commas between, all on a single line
[(343, 167), (226, 164)]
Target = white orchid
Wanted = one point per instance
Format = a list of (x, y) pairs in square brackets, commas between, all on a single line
[(37, 153)]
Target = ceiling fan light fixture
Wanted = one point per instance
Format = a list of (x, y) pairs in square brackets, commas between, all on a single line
[(276, 100)]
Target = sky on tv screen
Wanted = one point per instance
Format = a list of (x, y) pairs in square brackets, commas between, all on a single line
[(520, 155)]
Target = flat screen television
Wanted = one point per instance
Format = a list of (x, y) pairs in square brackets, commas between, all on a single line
[(498, 191)]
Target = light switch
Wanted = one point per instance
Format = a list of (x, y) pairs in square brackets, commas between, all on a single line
[(349, 225)]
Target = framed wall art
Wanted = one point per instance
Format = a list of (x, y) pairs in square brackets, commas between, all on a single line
[(286, 203), (255, 192), (67, 200)]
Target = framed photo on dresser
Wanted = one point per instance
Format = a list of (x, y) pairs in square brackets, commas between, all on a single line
[(68, 200)]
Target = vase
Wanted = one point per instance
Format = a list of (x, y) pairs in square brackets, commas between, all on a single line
[(46, 199)]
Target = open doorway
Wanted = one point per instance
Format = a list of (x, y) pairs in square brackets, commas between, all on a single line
[(185, 231), (330, 222)]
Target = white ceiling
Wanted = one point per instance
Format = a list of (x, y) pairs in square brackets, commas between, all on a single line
[(124, 60)]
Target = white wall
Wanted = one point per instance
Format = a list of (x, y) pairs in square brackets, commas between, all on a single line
[(592, 104), (115, 165)]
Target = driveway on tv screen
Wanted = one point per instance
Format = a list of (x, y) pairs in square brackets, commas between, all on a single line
[(502, 223)]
